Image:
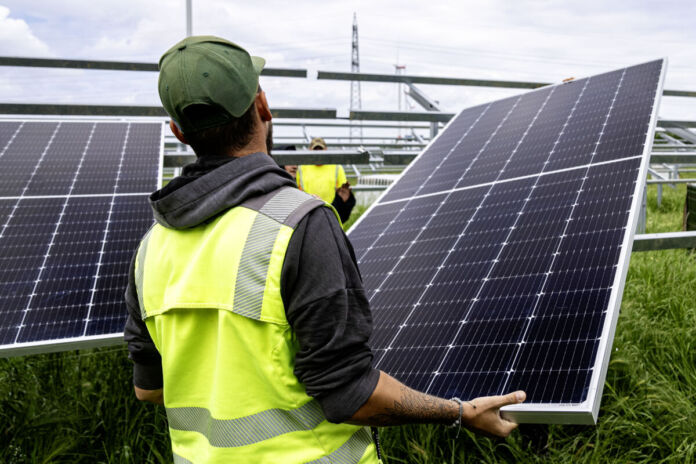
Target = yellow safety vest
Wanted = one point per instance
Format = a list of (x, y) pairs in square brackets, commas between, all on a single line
[(210, 297), (321, 181)]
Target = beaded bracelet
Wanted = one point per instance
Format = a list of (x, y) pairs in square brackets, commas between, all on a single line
[(458, 422)]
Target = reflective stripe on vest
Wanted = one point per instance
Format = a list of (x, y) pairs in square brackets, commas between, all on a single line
[(179, 460), (300, 178), (285, 206), (227, 349), (350, 452), (253, 267), (247, 430), (139, 267)]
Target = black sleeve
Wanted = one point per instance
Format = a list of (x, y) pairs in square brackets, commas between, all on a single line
[(330, 315), (343, 208), (147, 363)]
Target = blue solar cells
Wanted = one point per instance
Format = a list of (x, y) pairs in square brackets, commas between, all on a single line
[(73, 206), (490, 264)]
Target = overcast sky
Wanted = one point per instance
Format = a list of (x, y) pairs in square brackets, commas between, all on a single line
[(513, 40)]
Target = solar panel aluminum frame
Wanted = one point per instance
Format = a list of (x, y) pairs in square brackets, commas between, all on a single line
[(85, 341), (584, 413)]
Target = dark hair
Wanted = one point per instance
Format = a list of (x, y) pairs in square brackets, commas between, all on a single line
[(220, 139)]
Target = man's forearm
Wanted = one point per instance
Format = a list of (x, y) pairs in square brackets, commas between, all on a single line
[(393, 403)]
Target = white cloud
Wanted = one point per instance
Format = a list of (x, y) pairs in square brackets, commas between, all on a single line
[(534, 40), (17, 38)]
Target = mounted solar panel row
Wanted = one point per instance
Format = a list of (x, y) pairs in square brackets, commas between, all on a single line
[(48, 158), (73, 206), (497, 261)]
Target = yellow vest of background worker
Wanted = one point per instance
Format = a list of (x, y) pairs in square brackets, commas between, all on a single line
[(322, 180), (212, 304)]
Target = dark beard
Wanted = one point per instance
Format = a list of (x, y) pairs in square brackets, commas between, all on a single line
[(269, 138)]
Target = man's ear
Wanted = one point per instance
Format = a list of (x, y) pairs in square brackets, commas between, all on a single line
[(177, 132), (262, 107)]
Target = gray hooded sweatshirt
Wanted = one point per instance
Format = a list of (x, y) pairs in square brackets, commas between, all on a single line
[(321, 286)]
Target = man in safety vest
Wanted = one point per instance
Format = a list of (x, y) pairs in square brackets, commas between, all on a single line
[(247, 316), (327, 181)]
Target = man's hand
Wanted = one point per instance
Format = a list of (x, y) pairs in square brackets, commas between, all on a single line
[(151, 396), (485, 417), (344, 191)]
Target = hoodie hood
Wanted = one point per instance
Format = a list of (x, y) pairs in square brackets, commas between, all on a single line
[(198, 198)]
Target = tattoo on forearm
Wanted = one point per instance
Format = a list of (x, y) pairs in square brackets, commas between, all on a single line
[(416, 407)]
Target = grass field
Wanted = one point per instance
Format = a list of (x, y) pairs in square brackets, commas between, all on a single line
[(79, 407)]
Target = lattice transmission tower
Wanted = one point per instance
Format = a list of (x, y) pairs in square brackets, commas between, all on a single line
[(355, 98)]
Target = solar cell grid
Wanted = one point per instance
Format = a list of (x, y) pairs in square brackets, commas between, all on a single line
[(494, 265), (72, 210), (23, 155), (131, 216)]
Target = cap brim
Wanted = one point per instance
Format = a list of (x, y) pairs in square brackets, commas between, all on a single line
[(258, 63)]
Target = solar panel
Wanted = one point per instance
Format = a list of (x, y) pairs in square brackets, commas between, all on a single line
[(73, 206), (497, 261)]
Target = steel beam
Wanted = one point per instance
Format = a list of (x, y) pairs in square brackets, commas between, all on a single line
[(669, 123), (288, 157), (405, 79), (119, 66), (81, 110), (678, 157), (432, 116), (427, 103), (289, 72), (678, 93), (367, 144), (385, 138), (674, 146), (671, 181), (345, 124), (685, 134), (668, 137), (664, 241), (368, 188), (399, 158), (118, 110), (304, 113), (421, 98)]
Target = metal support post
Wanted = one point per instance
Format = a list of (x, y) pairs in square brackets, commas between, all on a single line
[(434, 128), (659, 195), (642, 218), (189, 22)]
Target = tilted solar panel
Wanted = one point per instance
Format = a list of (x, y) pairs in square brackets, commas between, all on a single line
[(497, 261), (73, 206)]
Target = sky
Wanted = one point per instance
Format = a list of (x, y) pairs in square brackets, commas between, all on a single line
[(531, 40)]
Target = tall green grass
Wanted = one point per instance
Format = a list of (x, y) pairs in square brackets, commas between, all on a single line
[(79, 407)]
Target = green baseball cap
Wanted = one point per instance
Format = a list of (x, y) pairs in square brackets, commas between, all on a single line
[(209, 71)]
